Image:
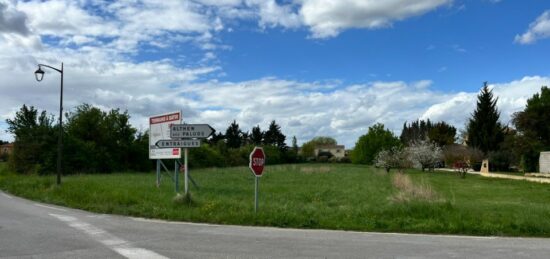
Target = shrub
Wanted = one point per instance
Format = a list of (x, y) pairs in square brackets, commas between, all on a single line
[(425, 154), (500, 160)]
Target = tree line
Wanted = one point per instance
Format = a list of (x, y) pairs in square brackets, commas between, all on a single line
[(508, 147), (97, 141)]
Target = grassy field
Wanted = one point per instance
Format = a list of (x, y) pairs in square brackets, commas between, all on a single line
[(328, 196)]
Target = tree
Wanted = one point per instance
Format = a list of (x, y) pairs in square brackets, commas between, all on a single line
[(35, 141), (274, 137), (395, 157), (294, 146), (99, 141), (415, 131), (257, 135), (442, 134), (216, 137), (233, 135), (533, 128), (425, 153), (484, 129), (377, 138)]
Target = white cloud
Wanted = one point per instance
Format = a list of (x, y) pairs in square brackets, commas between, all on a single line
[(328, 18), (539, 29), (12, 20), (99, 70)]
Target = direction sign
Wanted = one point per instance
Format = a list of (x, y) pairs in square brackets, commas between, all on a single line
[(257, 161), (190, 131), (175, 143)]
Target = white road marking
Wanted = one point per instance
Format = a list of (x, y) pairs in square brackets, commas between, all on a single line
[(118, 245), (7, 196), (49, 207)]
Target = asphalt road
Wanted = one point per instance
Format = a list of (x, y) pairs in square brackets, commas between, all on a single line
[(34, 230)]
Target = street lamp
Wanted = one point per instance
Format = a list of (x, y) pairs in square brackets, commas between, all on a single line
[(39, 74)]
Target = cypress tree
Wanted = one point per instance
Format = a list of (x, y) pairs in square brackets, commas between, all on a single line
[(484, 129)]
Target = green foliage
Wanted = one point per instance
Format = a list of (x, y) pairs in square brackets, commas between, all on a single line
[(415, 131), (532, 124), (94, 141), (308, 148), (484, 129), (377, 139), (205, 156), (257, 136), (233, 135), (274, 137), (440, 133), (99, 141), (35, 142)]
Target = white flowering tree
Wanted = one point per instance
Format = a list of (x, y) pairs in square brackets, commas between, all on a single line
[(394, 158), (425, 153)]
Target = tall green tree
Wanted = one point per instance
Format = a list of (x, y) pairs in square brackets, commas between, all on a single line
[(35, 141), (415, 131), (533, 125), (294, 145), (378, 138), (484, 131), (233, 135), (99, 141), (442, 134), (257, 136), (274, 137)]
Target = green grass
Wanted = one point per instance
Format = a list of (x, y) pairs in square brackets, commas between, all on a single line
[(328, 196)]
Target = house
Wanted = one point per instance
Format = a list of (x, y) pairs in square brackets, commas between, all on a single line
[(5, 150), (337, 151)]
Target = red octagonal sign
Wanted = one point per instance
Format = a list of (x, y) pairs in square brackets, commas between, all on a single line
[(257, 161)]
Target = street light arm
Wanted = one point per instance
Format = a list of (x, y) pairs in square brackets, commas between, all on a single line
[(58, 70)]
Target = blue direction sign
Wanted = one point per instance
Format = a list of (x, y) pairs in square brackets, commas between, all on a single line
[(190, 131), (175, 143)]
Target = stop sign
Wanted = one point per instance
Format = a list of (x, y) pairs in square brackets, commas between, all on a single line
[(257, 161)]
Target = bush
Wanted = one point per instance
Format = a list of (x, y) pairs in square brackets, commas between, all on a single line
[(377, 138), (500, 160), (205, 156), (4, 157)]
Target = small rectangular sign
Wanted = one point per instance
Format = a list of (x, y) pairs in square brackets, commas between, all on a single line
[(175, 143), (159, 128), (190, 131)]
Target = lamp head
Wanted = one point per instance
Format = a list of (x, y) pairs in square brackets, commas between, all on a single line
[(39, 74)]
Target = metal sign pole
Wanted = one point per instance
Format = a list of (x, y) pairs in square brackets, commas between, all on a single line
[(158, 173), (177, 176), (185, 167), (256, 187)]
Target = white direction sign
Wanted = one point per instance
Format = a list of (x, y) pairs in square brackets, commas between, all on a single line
[(159, 128), (190, 131), (178, 143)]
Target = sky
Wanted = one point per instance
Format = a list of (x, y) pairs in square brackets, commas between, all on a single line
[(316, 67)]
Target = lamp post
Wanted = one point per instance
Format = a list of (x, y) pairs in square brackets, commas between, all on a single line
[(39, 74)]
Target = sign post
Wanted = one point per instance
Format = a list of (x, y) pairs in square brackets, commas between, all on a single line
[(256, 165), (184, 136)]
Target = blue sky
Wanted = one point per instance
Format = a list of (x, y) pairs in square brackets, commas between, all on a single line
[(318, 67)]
